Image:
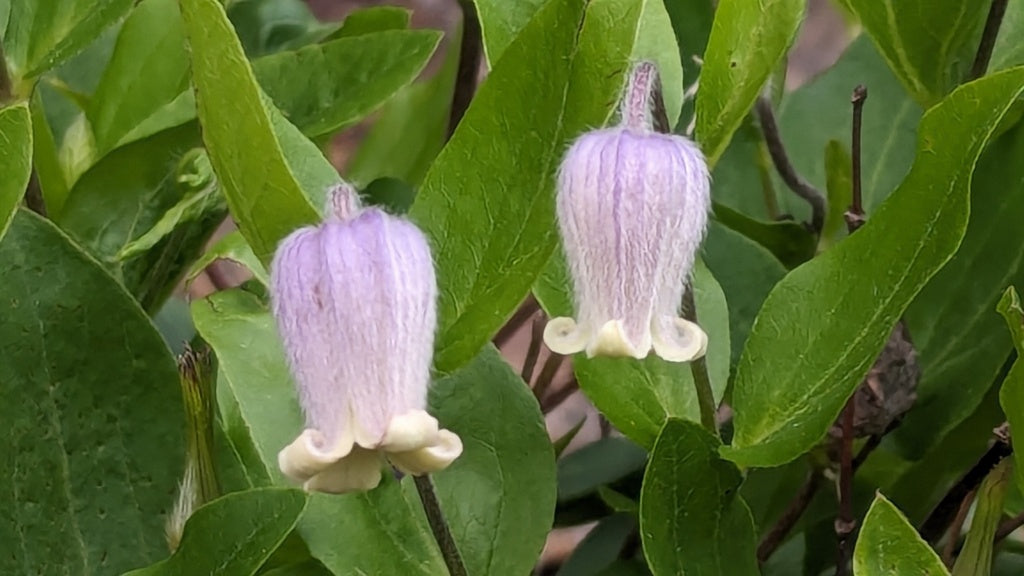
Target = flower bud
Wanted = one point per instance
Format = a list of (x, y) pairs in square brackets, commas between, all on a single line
[(632, 209), (355, 303)]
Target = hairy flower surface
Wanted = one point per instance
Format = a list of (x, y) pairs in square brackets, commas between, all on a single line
[(355, 303), (632, 209)]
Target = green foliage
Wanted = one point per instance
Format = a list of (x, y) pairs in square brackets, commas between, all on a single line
[(92, 410), (692, 519), (15, 160), (888, 544), (1011, 394), (747, 42), (233, 535), (976, 557), (927, 217)]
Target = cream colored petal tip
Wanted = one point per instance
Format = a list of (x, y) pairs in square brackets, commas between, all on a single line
[(410, 431), (611, 341), (680, 340), (358, 472), (563, 336), (447, 446), (306, 456)]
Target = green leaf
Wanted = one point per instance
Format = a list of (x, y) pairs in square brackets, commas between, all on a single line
[(43, 33), (839, 187), (231, 247), (193, 206), (44, 154), (233, 535), (746, 272), (326, 87), (307, 568), (961, 340), (789, 241), (125, 195), (606, 461), (92, 410), (1011, 394), (975, 558), (498, 496), (148, 70), (372, 19), (888, 544), (929, 44), (411, 128), (692, 519), (501, 22), (748, 40), (262, 193), (601, 547), (253, 375), (268, 26), (692, 21), (865, 280), (562, 442), (15, 160), (491, 245), (1009, 51)]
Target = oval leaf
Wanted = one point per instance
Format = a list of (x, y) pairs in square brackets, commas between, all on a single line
[(92, 407), (825, 323), (888, 545), (747, 42), (233, 535), (692, 519)]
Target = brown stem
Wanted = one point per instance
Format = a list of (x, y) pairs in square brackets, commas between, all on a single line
[(34, 196), (796, 508), (855, 215), (845, 522), (547, 375), (699, 370), (949, 550), (555, 399), (529, 307), (6, 87), (470, 53), (988, 38), (1008, 527), (439, 527), (789, 175), (940, 517), (533, 352)]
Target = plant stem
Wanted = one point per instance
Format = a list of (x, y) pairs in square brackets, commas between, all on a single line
[(699, 369), (988, 38), (937, 522), (547, 375), (950, 549), (528, 308), (435, 517), (533, 351), (764, 163), (845, 522), (1008, 527), (6, 88), (785, 168), (470, 53), (855, 215), (796, 508)]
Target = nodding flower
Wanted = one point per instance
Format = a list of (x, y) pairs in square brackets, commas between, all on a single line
[(632, 210), (355, 300)]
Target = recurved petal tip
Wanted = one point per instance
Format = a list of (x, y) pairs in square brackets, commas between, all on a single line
[(679, 340), (357, 472), (445, 448), (410, 431), (563, 336), (306, 457)]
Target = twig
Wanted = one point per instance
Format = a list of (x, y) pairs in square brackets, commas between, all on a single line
[(855, 215), (1009, 527), (764, 167), (529, 307), (547, 375), (988, 38), (699, 370), (470, 53), (935, 525), (845, 521), (438, 525), (950, 549), (785, 168), (796, 508), (555, 399), (533, 352)]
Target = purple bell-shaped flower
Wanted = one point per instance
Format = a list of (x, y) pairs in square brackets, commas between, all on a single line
[(632, 210), (355, 303)]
